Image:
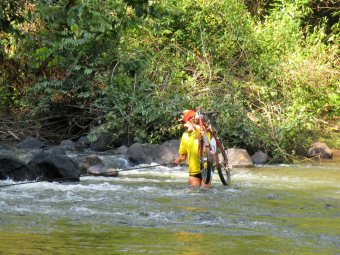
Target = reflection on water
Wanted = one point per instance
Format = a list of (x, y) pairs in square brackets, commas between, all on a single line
[(285, 209)]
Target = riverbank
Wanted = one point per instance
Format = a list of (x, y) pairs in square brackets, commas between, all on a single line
[(32, 160)]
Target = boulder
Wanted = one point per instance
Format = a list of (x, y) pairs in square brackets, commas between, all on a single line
[(15, 169), (121, 150), (54, 166), (238, 158), (88, 161), (143, 153), (169, 151), (319, 150), (101, 170), (102, 143), (82, 143), (111, 172), (5, 147), (6, 150), (31, 143), (259, 157), (96, 169), (165, 153), (93, 165), (68, 145), (28, 155), (56, 149)]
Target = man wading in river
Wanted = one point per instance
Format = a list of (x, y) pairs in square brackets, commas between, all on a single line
[(188, 149)]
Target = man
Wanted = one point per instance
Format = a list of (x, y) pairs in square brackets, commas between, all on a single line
[(188, 149)]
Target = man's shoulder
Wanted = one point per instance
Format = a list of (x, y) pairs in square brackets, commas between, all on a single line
[(185, 135)]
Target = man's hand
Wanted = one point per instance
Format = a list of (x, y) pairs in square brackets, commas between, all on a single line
[(181, 158)]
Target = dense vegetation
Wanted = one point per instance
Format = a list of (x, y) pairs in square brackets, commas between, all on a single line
[(129, 67)]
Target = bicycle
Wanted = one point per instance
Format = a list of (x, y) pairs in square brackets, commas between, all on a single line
[(210, 149)]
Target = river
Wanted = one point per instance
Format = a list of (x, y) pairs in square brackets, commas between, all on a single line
[(278, 209)]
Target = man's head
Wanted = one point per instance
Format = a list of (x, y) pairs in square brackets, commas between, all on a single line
[(188, 115), (189, 120)]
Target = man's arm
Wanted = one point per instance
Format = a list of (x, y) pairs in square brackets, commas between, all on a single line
[(181, 158)]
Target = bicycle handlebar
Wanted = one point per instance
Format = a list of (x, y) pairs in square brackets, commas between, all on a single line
[(208, 114)]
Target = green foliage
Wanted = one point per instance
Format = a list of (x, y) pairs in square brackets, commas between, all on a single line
[(135, 65), (10, 15), (301, 83), (77, 51)]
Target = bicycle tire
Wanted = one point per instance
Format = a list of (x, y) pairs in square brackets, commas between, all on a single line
[(222, 164), (206, 162)]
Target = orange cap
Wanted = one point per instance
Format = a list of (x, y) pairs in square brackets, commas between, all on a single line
[(188, 114)]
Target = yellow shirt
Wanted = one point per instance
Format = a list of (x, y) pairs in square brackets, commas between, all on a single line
[(189, 147)]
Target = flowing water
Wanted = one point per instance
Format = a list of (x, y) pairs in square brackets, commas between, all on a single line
[(281, 209)]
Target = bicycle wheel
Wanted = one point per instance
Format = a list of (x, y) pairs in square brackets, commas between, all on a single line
[(222, 164), (206, 162)]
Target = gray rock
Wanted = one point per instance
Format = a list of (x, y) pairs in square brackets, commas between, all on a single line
[(169, 151), (111, 172), (165, 153), (5, 147), (96, 169), (54, 166), (29, 155), (259, 157), (56, 149), (320, 150), (15, 169), (82, 143), (101, 170), (88, 161), (121, 150), (31, 143), (102, 143), (238, 158), (68, 145), (143, 153)]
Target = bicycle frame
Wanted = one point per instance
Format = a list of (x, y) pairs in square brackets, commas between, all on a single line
[(212, 151), (203, 128)]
